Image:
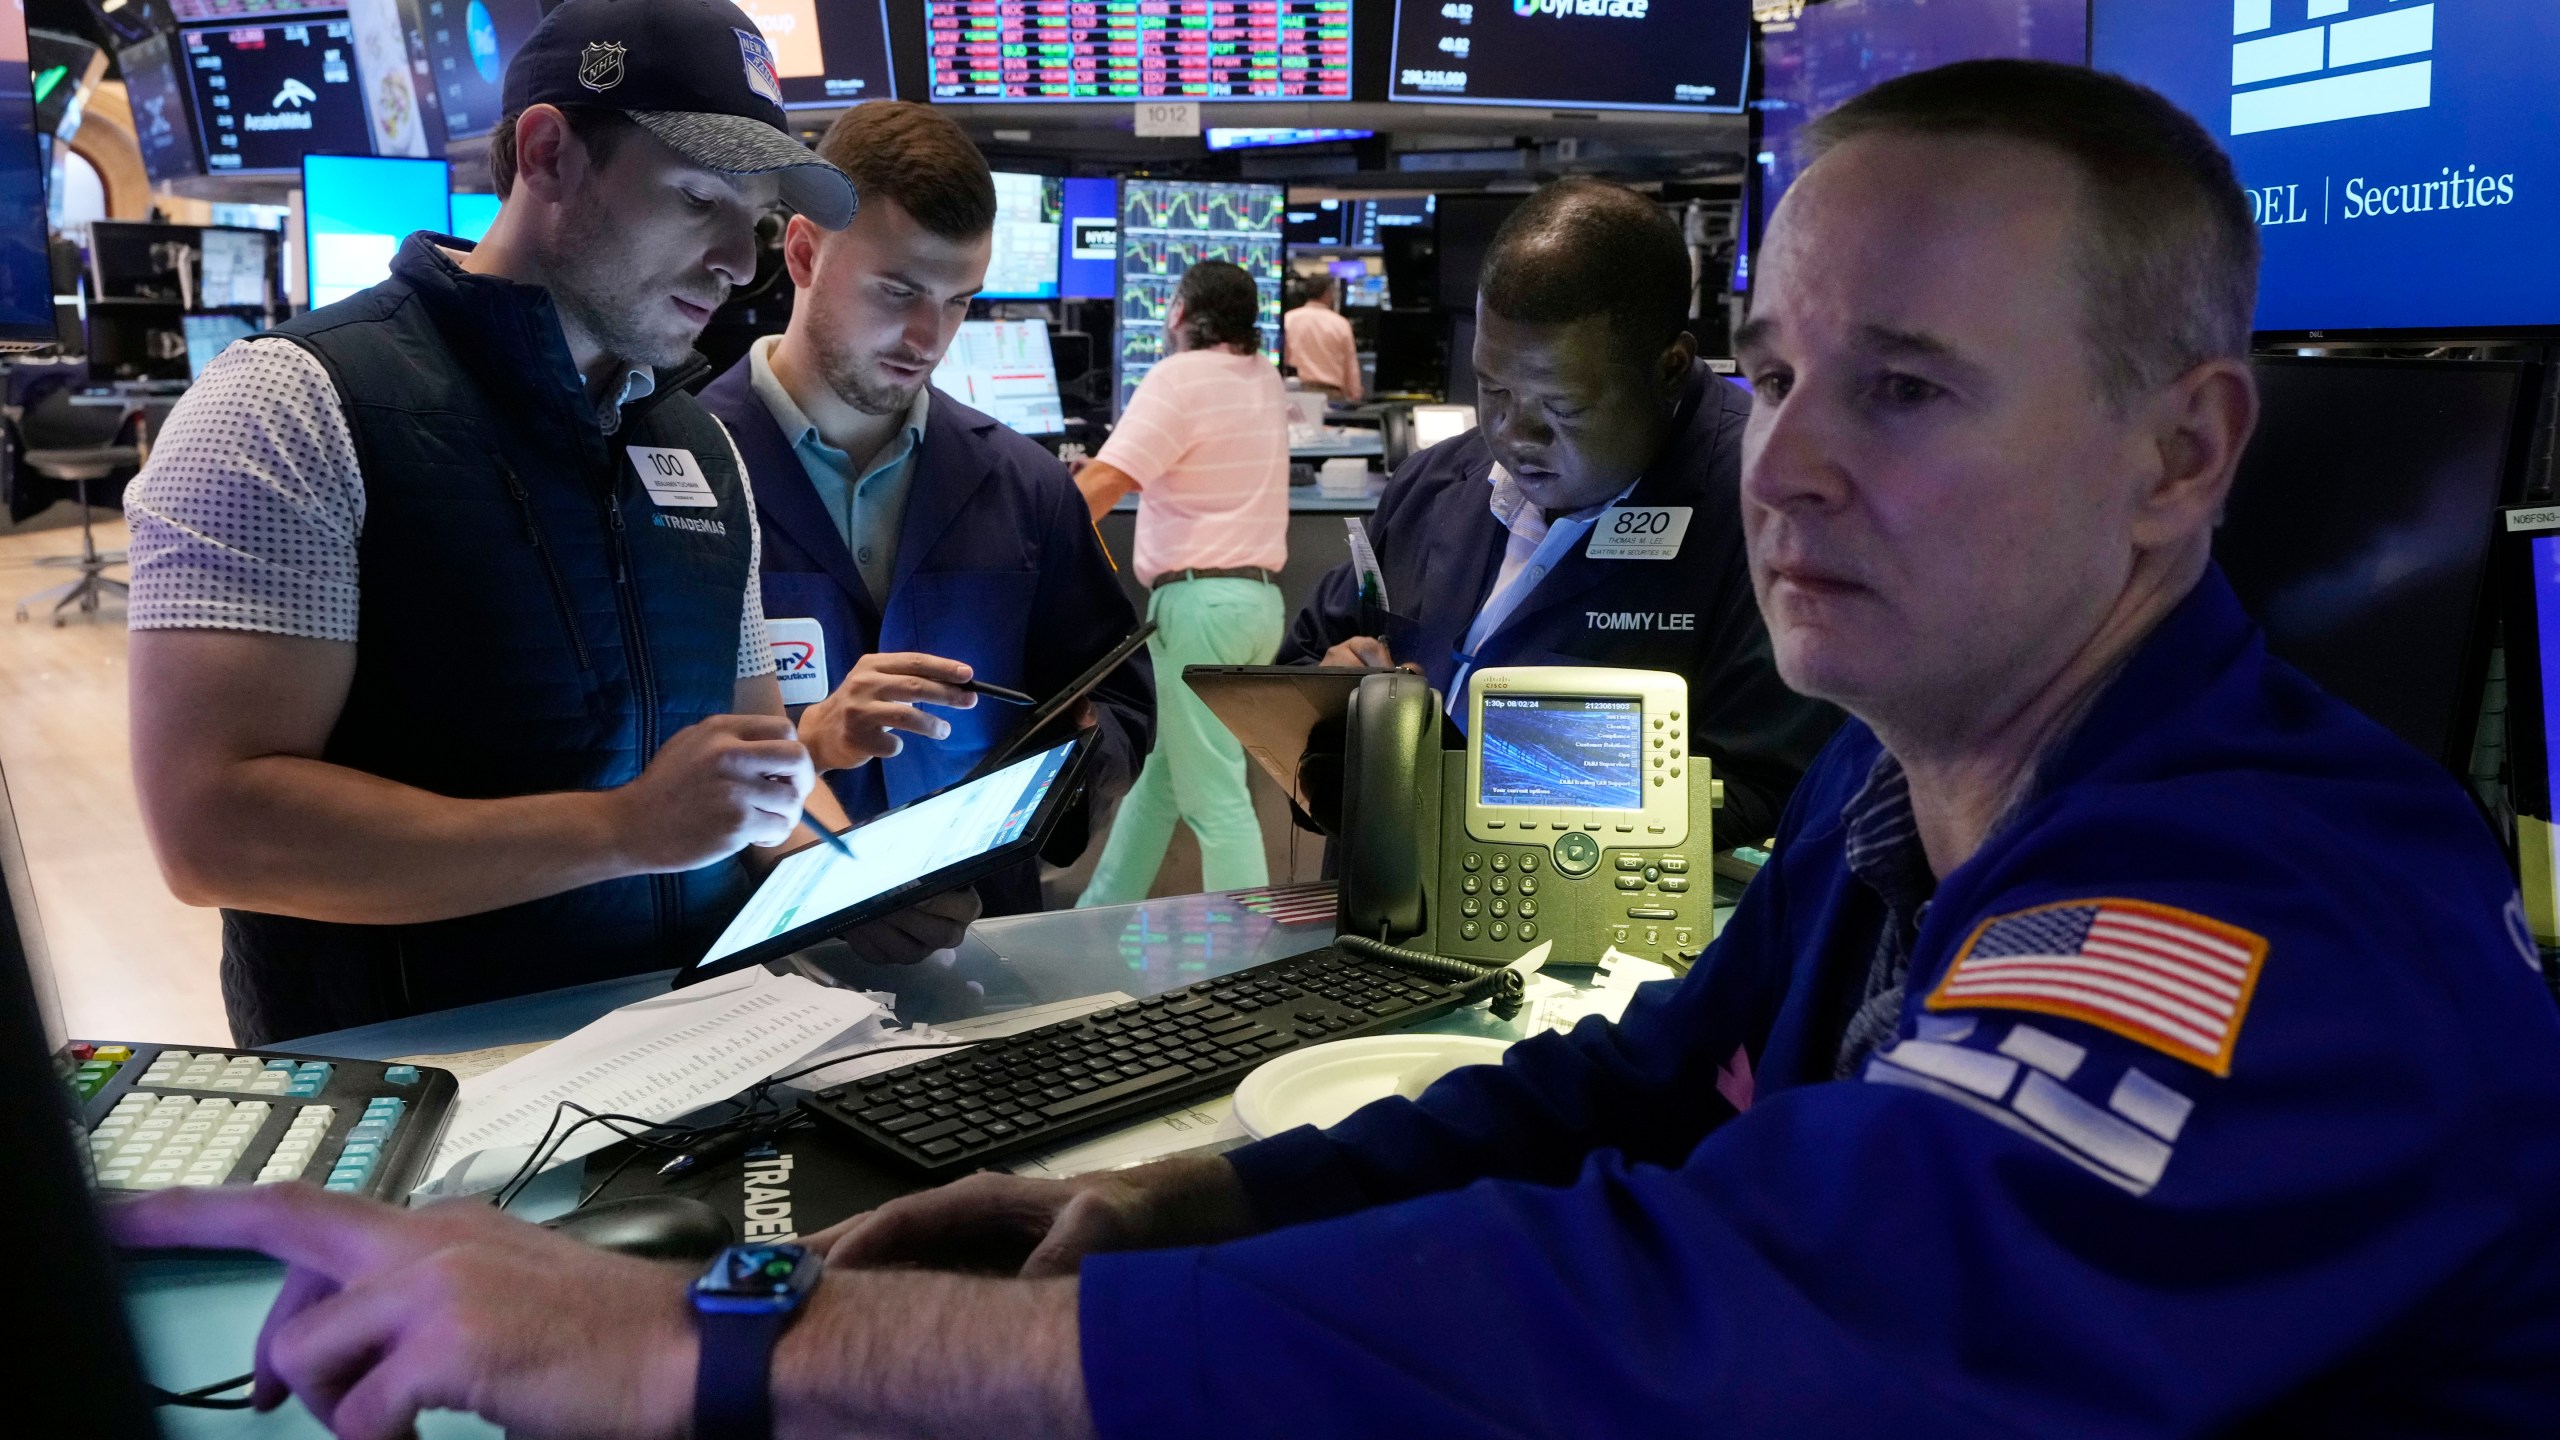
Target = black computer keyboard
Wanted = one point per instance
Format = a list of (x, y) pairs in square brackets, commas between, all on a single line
[(159, 1116), (1027, 1092)]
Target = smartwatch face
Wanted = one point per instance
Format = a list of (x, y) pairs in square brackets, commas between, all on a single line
[(755, 1271)]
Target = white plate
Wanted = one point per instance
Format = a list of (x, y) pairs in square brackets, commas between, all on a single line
[(1322, 1084)]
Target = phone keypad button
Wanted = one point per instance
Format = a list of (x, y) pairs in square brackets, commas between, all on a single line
[(1501, 931), (1471, 883), (1501, 884), (1471, 906), (1467, 931), (1501, 908), (1528, 908), (1674, 864), (1501, 863), (1651, 874), (1471, 862), (1628, 860), (1528, 863), (1528, 931), (1528, 885)]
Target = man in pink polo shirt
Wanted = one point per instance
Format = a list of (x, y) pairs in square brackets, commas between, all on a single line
[(1205, 443)]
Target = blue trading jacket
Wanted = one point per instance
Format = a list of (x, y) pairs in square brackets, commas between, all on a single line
[(998, 566), (1441, 549), (2018, 1220)]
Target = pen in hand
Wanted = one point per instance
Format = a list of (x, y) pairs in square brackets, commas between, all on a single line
[(833, 840), (998, 692)]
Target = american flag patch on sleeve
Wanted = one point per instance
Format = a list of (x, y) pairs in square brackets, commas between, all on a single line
[(2171, 979)]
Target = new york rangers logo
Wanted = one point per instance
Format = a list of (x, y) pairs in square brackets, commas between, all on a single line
[(600, 65), (763, 75)]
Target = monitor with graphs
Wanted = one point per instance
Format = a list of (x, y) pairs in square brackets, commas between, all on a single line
[(1004, 368), (1166, 226), (1024, 263), (1000, 50)]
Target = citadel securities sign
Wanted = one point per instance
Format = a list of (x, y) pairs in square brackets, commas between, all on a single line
[(2402, 157)]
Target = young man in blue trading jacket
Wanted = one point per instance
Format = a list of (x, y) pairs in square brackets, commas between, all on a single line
[(1590, 518), (2127, 1040), (923, 542)]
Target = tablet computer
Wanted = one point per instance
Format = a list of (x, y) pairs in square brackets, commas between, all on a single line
[(1028, 733), (950, 838)]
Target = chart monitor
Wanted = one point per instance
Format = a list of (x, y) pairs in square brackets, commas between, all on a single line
[(232, 268), (356, 209), (1030, 211), (828, 52), (1573, 54), (1089, 268), (1004, 368), (1166, 227), (267, 95), (1017, 50), (2402, 160)]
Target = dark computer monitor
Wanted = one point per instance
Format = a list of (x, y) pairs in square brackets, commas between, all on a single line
[(1464, 225), (356, 209), (26, 266), (59, 1258), (1320, 223), (2402, 160), (2359, 529), (162, 127), (1690, 55), (1089, 240), (1030, 225), (1844, 48), (2528, 576), (267, 94)]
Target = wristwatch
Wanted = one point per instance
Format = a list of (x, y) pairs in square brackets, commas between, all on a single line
[(741, 1306)]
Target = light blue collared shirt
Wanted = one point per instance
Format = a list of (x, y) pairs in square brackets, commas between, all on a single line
[(868, 506), (1552, 540)]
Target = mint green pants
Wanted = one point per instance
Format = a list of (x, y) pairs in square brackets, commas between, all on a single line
[(1196, 772)]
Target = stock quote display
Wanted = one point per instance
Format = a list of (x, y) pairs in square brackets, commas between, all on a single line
[(1166, 227), (996, 50), (1577, 54)]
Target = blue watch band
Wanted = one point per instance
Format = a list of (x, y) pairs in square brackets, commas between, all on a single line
[(733, 1379)]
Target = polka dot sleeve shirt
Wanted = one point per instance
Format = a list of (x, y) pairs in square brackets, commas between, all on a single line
[(247, 516)]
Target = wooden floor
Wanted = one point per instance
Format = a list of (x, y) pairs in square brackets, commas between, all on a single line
[(131, 962)]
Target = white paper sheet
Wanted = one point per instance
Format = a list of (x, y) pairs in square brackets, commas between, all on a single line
[(657, 1059)]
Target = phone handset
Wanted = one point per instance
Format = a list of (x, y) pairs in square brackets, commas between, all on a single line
[(1391, 807)]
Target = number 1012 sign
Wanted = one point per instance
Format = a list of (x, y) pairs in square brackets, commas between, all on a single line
[(1168, 117), (1638, 532)]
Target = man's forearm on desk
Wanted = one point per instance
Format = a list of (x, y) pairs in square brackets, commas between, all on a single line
[(915, 1354)]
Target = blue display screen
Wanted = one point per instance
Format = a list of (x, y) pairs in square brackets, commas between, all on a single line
[(356, 209), (471, 216), (2403, 160), (1089, 245), (1563, 752)]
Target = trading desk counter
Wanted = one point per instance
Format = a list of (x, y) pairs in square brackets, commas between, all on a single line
[(196, 1321)]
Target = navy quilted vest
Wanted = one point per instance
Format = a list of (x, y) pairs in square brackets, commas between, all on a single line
[(531, 621)]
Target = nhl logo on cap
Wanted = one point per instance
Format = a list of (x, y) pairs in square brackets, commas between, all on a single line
[(600, 65), (763, 76)]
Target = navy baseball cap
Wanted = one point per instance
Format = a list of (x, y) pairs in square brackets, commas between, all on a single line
[(695, 73)]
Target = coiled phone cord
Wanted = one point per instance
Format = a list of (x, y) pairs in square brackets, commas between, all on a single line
[(1499, 984)]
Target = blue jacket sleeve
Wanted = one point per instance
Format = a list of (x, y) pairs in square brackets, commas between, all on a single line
[(2339, 1236), (1332, 612)]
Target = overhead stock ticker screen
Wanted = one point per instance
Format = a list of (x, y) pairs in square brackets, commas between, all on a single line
[(1573, 54), (2402, 159), (267, 95), (1166, 227), (998, 50)]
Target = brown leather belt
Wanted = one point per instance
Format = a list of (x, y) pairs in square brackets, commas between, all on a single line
[(1247, 572)]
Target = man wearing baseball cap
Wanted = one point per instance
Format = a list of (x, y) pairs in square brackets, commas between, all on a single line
[(450, 678)]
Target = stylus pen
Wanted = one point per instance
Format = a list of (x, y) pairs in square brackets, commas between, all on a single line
[(998, 692), (834, 841)]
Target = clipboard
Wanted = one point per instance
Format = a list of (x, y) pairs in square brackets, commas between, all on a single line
[(1273, 710)]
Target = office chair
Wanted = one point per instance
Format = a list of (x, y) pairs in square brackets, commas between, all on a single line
[(119, 455)]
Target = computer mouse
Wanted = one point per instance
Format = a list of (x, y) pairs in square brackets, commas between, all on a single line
[(654, 1227)]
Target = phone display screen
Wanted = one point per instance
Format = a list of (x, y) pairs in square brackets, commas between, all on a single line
[(1561, 752)]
